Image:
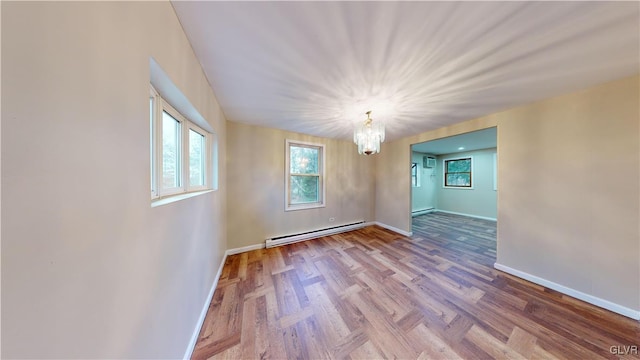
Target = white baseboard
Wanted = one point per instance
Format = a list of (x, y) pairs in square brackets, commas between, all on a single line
[(468, 215), (392, 228), (422, 212), (243, 249), (203, 313), (240, 250), (605, 304)]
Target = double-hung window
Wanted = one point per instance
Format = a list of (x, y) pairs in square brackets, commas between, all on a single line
[(458, 173), (181, 151), (304, 183)]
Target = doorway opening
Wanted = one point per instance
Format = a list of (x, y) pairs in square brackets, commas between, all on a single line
[(454, 180)]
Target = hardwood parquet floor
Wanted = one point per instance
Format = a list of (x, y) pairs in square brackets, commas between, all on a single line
[(373, 294)]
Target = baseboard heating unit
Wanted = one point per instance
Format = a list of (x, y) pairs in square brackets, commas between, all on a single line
[(290, 239), (422, 212)]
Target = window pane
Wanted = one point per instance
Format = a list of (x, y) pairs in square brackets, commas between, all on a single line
[(414, 174), (304, 189), (463, 165), (196, 159), (304, 160), (458, 180), (170, 151)]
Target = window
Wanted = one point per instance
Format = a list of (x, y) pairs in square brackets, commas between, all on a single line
[(181, 152), (414, 175), (457, 173), (304, 175), (152, 136), (171, 152), (197, 155)]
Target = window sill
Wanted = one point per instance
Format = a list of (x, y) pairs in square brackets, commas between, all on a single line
[(304, 206), (173, 198)]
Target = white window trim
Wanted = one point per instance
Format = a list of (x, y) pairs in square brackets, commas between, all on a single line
[(418, 173), (153, 95), (162, 191), (213, 171), (207, 157), (444, 172), (287, 196), (159, 194)]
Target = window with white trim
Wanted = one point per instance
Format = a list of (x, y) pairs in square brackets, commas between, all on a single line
[(415, 175), (181, 151), (304, 183)]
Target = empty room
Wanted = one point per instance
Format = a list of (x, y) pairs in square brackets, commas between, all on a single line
[(320, 180)]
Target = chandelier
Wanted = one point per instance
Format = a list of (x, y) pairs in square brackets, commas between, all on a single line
[(368, 136)]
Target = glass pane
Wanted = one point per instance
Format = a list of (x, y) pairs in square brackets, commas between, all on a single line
[(458, 180), (151, 149), (459, 165), (303, 160), (305, 189), (414, 174), (196, 159), (170, 151)]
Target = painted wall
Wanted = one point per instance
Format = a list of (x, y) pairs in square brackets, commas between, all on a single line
[(89, 268), (424, 196), (256, 176), (569, 198), (479, 201), (569, 191)]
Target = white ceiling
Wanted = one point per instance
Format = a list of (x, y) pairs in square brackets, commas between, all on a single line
[(317, 67), (481, 139)]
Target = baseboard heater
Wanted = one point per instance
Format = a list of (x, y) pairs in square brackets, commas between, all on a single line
[(422, 212), (290, 239)]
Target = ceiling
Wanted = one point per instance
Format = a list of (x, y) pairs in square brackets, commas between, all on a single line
[(481, 139), (317, 67)]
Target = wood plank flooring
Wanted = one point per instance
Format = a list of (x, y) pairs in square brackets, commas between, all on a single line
[(373, 294)]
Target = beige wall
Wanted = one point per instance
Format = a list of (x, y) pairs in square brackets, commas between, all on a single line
[(89, 268), (256, 175), (568, 198), (568, 206)]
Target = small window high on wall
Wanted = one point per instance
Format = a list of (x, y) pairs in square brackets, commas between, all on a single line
[(458, 173), (182, 155)]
